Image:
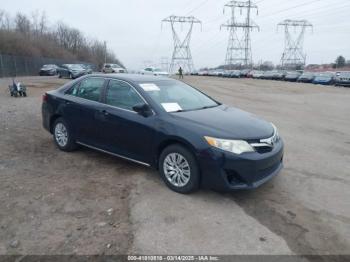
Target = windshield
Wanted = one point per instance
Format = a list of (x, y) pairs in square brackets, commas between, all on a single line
[(175, 96), (307, 74), (76, 67), (324, 76), (48, 66), (344, 74)]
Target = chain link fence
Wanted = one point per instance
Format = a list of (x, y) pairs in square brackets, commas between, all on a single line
[(13, 65)]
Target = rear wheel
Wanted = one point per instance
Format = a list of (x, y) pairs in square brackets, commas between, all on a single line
[(63, 136), (179, 170)]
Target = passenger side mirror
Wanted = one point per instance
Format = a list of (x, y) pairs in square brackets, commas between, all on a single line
[(143, 109)]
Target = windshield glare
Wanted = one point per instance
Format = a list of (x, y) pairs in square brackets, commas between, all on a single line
[(177, 96)]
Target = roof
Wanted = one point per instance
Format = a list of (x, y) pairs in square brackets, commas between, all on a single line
[(134, 77)]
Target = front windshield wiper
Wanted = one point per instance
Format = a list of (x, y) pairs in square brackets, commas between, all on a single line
[(194, 109)]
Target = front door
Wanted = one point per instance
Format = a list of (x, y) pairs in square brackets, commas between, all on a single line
[(125, 132)]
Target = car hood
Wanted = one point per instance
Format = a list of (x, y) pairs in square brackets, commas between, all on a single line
[(226, 122)]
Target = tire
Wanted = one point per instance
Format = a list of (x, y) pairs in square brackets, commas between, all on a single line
[(59, 75), (68, 145), (188, 176)]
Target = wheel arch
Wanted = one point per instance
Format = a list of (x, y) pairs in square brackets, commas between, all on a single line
[(172, 141), (52, 121)]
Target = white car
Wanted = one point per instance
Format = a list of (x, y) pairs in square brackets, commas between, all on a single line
[(113, 68), (154, 71)]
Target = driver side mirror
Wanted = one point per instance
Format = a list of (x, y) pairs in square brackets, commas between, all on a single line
[(143, 109)]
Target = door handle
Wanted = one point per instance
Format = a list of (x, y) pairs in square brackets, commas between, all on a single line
[(104, 112), (67, 102)]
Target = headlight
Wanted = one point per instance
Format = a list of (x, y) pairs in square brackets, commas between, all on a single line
[(234, 146)]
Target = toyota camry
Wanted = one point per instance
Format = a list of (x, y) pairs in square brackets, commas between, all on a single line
[(193, 140)]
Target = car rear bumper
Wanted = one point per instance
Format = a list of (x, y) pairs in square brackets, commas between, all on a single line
[(225, 171)]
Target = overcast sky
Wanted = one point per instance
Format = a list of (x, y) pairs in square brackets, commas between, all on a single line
[(133, 30)]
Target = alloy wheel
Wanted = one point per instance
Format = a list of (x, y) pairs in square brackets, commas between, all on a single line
[(61, 134), (176, 169)]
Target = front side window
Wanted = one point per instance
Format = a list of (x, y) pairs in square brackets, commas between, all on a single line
[(122, 95), (90, 88)]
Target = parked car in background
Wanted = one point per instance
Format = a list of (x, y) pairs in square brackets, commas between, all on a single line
[(48, 70), (71, 71), (88, 68), (257, 74), (192, 140), (112, 68), (235, 74), (244, 72), (306, 77), (342, 79), (154, 71), (268, 75), (325, 78), (278, 75), (203, 73), (292, 76)]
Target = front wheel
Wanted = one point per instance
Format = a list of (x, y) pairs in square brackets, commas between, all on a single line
[(179, 170), (63, 136)]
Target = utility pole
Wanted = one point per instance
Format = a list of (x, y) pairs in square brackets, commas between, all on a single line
[(239, 51), (182, 53), (293, 55), (105, 49)]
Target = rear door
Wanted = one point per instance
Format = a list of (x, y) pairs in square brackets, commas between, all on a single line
[(124, 131)]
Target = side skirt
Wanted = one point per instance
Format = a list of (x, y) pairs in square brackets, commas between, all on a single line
[(113, 154)]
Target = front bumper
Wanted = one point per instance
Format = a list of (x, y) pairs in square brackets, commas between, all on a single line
[(225, 171), (342, 83)]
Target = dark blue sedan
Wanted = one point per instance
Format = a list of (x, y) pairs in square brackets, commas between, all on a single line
[(193, 140)]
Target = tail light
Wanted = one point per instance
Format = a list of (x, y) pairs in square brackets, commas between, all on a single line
[(45, 97)]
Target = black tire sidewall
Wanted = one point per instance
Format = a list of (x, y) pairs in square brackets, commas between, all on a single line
[(71, 145), (193, 183)]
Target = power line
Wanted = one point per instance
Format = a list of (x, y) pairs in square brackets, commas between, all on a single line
[(197, 7)]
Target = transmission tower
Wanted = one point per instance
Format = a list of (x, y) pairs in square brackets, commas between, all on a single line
[(164, 63), (239, 48), (293, 55), (182, 53)]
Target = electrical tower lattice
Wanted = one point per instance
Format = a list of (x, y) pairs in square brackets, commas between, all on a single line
[(239, 49), (182, 53), (293, 55)]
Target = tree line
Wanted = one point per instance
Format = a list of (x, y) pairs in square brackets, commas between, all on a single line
[(31, 35)]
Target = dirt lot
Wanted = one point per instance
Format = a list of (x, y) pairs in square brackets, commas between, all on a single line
[(91, 203)]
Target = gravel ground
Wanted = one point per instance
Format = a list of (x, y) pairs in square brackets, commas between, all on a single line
[(91, 203)]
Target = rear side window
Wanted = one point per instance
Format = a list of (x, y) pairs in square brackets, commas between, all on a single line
[(122, 95), (73, 90), (90, 89)]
